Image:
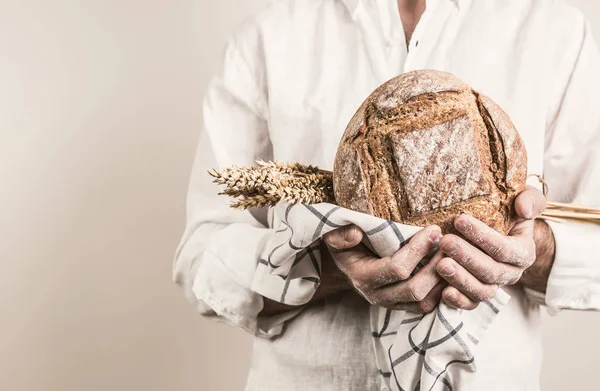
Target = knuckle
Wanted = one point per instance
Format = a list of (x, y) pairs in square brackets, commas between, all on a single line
[(521, 256), (362, 288), (400, 271), (415, 291), (403, 274), (509, 278), (514, 279), (372, 299), (504, 279), (417, 294), (529, 257)]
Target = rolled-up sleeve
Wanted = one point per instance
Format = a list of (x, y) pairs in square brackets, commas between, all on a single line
[(218, 255), (572, 170)]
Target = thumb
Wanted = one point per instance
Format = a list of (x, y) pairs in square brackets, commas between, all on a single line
[(530, 203), (343, 238)]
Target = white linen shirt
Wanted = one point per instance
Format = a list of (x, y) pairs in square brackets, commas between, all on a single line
[(292, 77)]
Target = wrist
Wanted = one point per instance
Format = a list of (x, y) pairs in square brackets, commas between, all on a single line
[(537, 275)]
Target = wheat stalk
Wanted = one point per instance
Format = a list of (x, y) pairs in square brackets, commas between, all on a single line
[(268, 183), (561, 211)]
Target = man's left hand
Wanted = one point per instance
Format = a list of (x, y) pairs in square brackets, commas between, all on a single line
[(475, 271)]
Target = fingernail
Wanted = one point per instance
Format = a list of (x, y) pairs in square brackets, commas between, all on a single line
[(447, 271), (463, 225), (450, 248), (435, 236), (350, 234), (452, 297), (529, 208)]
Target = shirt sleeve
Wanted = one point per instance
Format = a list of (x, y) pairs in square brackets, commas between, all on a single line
[(572, 171), (218, 255)]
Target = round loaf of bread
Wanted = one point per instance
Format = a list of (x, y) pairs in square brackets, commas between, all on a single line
[(425, 147)]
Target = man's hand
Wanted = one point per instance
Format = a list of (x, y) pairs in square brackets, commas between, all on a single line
[(475, 271), (387, 282)]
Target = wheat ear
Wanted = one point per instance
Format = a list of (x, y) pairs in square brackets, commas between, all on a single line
[(268, 183)]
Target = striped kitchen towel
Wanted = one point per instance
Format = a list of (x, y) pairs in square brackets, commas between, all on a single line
[(413, 351)]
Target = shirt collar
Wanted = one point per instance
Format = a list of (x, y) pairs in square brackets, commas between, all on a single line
[(353, 5)]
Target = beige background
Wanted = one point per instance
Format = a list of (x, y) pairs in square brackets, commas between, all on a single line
[(99, 112)]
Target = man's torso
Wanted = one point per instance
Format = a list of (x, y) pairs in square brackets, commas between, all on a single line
[(317, 60)]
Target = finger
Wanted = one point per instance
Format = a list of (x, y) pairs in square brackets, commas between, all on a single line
[(530, 203), (343, 238), (350, 260), (499, 247), (425, 306), (465, 282), (400, 266), (413, 290), (478, 263), (455, 299), (405, 260)]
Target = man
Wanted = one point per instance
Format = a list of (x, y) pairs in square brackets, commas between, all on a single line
[(292, 77)]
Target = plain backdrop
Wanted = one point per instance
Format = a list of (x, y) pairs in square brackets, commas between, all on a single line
[(100, 108)]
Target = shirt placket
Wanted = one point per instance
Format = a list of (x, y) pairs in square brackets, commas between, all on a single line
[(396, 52), (399, 57), (393, 57)]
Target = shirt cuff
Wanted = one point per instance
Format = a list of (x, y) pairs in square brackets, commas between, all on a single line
[(574, 281), (224, 276), (291, 291)]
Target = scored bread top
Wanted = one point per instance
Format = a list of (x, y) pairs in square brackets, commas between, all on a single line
[(423, 148)]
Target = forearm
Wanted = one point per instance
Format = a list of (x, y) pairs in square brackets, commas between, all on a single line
[(536, 276), (333, 281)]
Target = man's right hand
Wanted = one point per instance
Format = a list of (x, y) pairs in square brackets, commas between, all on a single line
[(387, 282)]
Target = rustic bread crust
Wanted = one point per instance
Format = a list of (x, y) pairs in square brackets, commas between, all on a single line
[(423, 148)]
